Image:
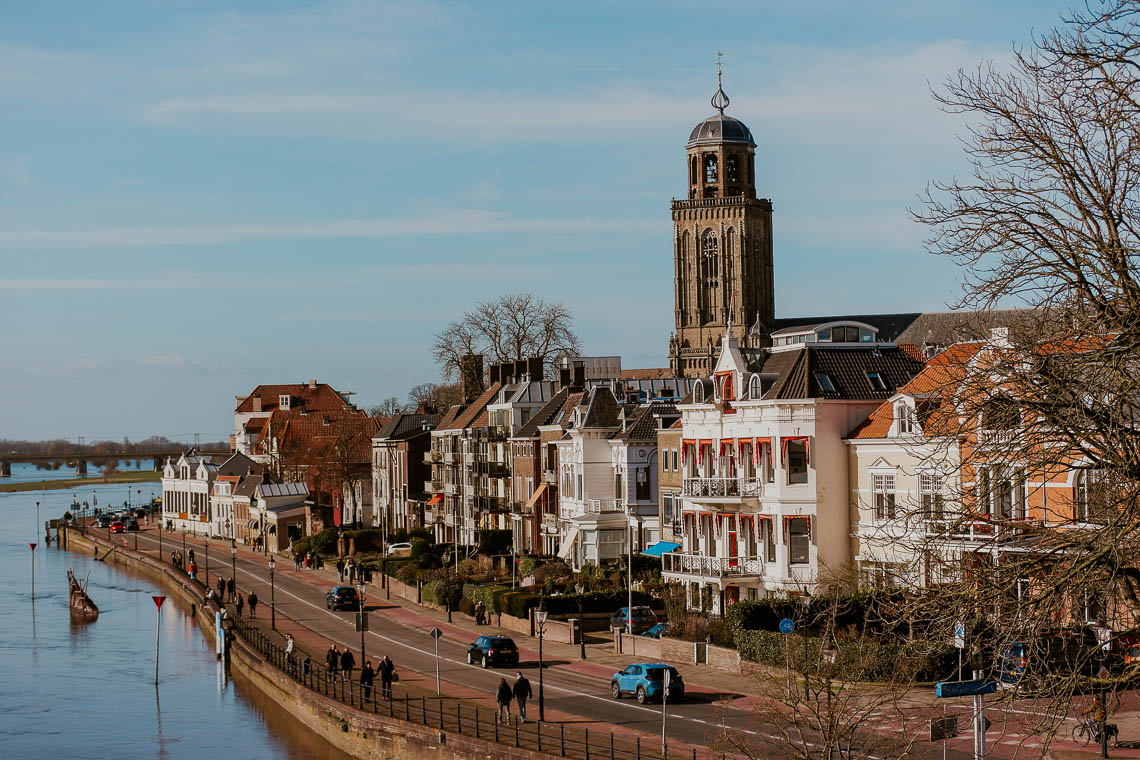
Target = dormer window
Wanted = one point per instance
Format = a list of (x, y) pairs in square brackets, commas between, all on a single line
[(904, 420), (755, 387), (284, 402), (825, 383), (876, 380)]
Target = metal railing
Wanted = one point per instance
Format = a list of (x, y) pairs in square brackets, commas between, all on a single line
[(597, 506), (980, 530), (700, 564), (722, 488), (449, 715)]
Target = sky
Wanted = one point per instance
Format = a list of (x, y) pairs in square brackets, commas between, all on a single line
[(197, 197)]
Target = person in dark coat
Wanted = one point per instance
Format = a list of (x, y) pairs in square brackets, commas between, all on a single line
[(340, 570), (230, 588), (332, 661), (221, 589), (366, 676), (522, 693), (252, 604), (504, 695), (190, 555), (386, 669), (240, 604), (347, 662)]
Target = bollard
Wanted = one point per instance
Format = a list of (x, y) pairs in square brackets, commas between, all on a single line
[(407, 699), (497, 728), (538, 734), (476, 722), (694, 753), (639, 747), (439, 704), (423, 710)]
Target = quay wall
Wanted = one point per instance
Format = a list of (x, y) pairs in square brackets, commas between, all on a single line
[(363, 735)]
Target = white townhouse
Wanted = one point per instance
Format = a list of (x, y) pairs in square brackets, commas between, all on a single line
[(188, 488), (765, 493)]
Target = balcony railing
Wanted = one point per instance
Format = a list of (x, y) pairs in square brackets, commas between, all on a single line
[(498, 432), (430, 457), (550, 477), (699, 564), (980, 530), (597, 506), (450, 457), (722, 488), (451, 489)]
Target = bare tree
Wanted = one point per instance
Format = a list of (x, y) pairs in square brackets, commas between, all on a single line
[(437, 397), (511, 327), (389, 407), (1043, 534)]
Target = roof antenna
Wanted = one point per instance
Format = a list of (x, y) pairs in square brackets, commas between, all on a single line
[(719, 101)]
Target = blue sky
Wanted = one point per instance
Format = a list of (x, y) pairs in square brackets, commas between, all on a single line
[(196, 197)]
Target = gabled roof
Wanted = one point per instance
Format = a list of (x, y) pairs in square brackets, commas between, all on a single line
[(543, 415), (644, 426), (248, 485), (320, 397), (465, 419), (449, 417), (602, 409), (848, 369), (406, 425), (238, 464)]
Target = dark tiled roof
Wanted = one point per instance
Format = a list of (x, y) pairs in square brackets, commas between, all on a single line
[(644, 427), (947, 327), (449, 417), (248, 485), (239, 464), (890, 326), (407, 425), (847, 368), (603, 409), (543, 415)]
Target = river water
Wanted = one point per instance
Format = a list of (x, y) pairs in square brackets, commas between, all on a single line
[(88, 691)]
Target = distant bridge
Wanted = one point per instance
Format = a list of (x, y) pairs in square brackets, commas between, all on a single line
[(81, 458)]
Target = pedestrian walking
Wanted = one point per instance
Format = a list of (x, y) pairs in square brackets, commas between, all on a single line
[(193, 571), (221, 589), (366, 677), (297, 562), (252, 604), (190, 556), (503, 696), (230, 587), (289, 643), (347, 663), (522, 694), (240, 604), (332, 661), (387, 669), (340, 570)]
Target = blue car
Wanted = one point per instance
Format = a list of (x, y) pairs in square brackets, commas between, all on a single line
[(646, 681), (657, 631)]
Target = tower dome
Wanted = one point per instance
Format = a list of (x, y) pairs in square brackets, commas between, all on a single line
[(720, 128)]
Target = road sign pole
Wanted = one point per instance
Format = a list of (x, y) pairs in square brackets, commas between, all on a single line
[(437, 667), (32, 546), (158, 600), (664, 701)]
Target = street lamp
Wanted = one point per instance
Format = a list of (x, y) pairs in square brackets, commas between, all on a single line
[(233, 563), (272, 595), (540, 628), (360, 588), (580, 588), (207, 557)]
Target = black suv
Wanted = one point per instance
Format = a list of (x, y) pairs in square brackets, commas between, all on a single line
[(342, 598), (493, 650)]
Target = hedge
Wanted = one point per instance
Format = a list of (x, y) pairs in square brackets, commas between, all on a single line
[(858, 658), (598, 601), (860, 611)]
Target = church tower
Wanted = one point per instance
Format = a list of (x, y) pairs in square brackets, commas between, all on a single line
[(722, 246)]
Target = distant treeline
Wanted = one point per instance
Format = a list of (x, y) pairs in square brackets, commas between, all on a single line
[(101, 448)]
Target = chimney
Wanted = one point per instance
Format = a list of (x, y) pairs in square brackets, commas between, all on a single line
[(507, 373), (312, 385), (520, 370), (534, 368), (257, 403), (579, 378), (496, 373), (563, 376), (471, 376)]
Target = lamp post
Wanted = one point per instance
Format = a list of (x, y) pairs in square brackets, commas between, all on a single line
[(629, 572), (233, 562), (540, 627), (160, 554), (272, 595), (579, 588), (360, 588), (207, 557)]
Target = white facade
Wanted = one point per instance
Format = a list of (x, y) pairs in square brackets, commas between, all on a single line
[(186, 487)]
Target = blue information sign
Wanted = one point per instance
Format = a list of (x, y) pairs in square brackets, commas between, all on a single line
[(965, 688), (787, 625)]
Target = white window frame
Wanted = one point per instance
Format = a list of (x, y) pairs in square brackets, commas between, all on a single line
[(884, 496)]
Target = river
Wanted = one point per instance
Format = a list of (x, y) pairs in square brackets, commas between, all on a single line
[(88, 691)]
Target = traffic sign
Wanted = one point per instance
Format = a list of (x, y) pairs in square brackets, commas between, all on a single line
[(158, 600), (964, 688), (31, 546), (960, 635), (436, 633), (787, 625), (943, 728)]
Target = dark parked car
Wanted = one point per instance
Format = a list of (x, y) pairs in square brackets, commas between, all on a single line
[(643, 619), (342, 598), (493, 650), (104, 521), (647, 681)]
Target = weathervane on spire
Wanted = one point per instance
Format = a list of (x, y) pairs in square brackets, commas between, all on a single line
[(720, 101)]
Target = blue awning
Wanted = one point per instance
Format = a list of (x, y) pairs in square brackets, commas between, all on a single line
[(661, 547)]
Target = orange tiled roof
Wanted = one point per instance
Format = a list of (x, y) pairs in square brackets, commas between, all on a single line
[(321, 397)]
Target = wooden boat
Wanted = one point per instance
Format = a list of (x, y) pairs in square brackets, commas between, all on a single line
[(81, 606)]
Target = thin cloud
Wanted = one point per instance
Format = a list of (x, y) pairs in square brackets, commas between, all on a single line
[(444, 223)]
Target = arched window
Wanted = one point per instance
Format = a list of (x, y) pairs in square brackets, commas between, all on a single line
[(710, 168), (710, 247), (694, 171), (731, 170), (755, 387)]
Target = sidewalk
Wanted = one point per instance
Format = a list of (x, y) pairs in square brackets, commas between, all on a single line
[(736, 690)]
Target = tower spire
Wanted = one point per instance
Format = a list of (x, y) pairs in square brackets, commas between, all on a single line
[(720, 101)]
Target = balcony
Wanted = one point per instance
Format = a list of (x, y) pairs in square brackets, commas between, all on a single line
[(550, 477), (699, 564), (722, 488), (598, 506), (451, 489), (432, 457), (981, 531), (498, 432), (450, 457)]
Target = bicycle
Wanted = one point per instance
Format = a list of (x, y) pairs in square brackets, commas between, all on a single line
[(1088, 731)]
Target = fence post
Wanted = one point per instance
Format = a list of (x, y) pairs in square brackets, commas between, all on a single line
[(516, 733), (423, 709), (639, 747), (562, 738), (587, 744), (439, 704), (611, 745)]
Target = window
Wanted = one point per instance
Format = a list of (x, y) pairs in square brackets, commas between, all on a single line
[(797, 462), (676, 466), (1002, 493), (931, 488), (876, 381), (1089, 496), (824, 382), (731, 169), (755, 387), (799, 540), (710, 169), (904, 419), (769, 540), (883, 486)]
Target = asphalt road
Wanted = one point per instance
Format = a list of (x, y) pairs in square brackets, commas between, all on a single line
[(693, 721)]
